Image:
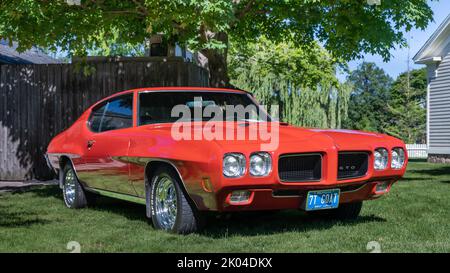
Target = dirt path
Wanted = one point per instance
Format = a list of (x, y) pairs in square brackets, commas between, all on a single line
[(11, 186)]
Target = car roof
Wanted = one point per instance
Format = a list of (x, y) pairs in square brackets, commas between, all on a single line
[(169, 89)]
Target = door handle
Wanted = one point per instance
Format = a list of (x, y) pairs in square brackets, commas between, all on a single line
[(90, 143)]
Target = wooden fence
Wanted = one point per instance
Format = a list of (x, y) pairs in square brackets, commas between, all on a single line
[(39, 101), (417, 151)]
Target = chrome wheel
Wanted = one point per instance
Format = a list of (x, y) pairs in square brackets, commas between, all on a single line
[(165, 202), (69, 187)]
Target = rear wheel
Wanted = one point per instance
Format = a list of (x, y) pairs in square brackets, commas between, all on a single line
[(73, 193), (347, 211), (170, 207)]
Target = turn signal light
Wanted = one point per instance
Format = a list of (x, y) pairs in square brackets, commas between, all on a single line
[(206, 184)]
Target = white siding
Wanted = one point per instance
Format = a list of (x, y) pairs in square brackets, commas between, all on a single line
[(439, 109)]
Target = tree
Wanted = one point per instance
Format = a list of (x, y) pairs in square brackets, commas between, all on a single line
[(368, 108), (407, 107), (301, 82), (346, 28), (109, 47)]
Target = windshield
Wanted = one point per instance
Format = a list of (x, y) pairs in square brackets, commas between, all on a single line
[(172, 106)]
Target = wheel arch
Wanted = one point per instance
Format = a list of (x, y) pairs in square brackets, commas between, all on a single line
[(150, 169)]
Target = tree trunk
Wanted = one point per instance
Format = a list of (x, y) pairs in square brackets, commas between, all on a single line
[(217, 63)]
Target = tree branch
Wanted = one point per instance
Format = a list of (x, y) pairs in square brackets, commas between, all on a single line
[(141, 6), (122, 12), (246, 9)]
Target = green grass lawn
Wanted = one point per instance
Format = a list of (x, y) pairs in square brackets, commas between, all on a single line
[(414, 217)]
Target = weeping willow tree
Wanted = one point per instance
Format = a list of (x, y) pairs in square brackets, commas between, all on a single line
[(301, 81)]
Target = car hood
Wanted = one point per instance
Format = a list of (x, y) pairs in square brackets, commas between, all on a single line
[(292, 135), (287, 135)]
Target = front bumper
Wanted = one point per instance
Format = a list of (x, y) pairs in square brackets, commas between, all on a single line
[(262, 198)]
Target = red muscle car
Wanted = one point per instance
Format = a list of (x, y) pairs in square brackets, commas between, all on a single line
[(183, 151)]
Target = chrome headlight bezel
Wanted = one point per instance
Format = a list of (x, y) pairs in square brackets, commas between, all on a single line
[(240, 169), (264, 158), (398, 158), (381, 159)]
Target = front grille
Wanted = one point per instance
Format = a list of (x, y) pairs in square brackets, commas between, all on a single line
[(300, 167), (352, 165)]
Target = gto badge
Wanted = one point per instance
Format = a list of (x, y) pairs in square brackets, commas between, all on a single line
[(347, 168)]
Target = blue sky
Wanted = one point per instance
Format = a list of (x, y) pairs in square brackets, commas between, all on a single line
[(398, 62)]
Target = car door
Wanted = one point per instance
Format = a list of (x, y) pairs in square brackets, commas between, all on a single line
[(107, 144)]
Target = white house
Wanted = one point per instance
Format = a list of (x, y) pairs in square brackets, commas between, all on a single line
[(435, 54)]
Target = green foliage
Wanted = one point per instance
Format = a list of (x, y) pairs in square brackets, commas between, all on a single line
[(301, 82), (108, 46), (379, 104), (346, 28), (57, 25), (368, 109), (407, 107)]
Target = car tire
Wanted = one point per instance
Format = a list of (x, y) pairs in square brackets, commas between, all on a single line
[(347, 211), (73, 193), (171, 210)]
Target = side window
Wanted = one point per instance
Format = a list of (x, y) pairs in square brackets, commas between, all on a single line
[(115, 114), (96, 117)]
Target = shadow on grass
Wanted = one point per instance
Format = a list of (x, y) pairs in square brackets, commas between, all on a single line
[(218, 226), (414, 178), (129, 210), (11, 218), (44, 191), (444, 170), (418, 160), (257, 224)]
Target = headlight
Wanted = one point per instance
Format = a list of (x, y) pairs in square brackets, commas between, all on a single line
[(233, 165), (381, 159), (260, 164), (398, 158)]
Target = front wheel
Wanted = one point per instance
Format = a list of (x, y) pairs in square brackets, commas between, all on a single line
[(171, 209)]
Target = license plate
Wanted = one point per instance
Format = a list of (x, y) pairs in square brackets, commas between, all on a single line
[(325, 199)]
